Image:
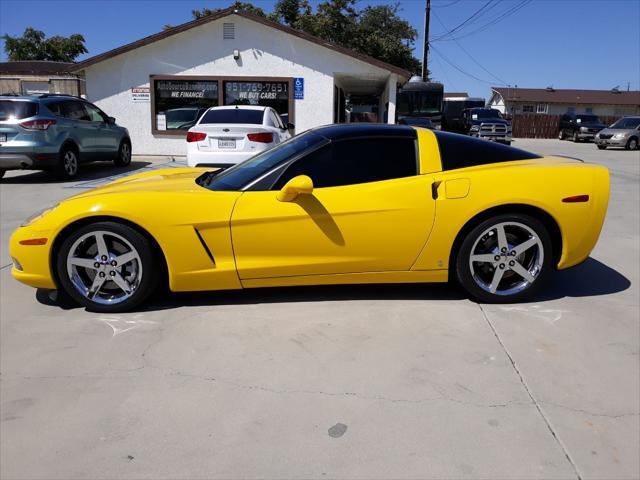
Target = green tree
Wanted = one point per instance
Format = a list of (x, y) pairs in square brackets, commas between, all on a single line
[(337, 21), (244, 6), (33, 45), (294, 13), (382, 34)]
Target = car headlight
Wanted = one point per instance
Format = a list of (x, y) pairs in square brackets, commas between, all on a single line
[(475, 128), (584, 129), (619, 135), (38, 215)]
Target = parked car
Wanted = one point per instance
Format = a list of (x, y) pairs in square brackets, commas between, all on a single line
[(336, 204), (488, 124), (183, 118), (624, 133), (452, 112), (416, 122), (58, 133), (224, 136), (579, 127)]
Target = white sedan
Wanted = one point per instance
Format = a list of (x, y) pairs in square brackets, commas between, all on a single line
[(224, 136)]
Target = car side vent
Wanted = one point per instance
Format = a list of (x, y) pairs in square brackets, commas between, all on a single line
[(204, 246), (228, 31)]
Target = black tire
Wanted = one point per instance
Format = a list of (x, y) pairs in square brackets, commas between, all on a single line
[(561, 135), (466, 277), (602, 147), (2, 172), (68, 163), (632, 144), (146, 284), (575, 137), (124, 154)]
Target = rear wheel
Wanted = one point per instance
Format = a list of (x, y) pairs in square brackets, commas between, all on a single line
[(561, 135), (504, 259), (2, 172), (602, 147), (124, 154), (107, 267), (68, 163), (632, 144)]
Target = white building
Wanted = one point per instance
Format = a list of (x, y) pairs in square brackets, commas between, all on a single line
[(551, 101), (157, 85)]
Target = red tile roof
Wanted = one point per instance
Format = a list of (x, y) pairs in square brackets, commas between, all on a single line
[(576, 97)]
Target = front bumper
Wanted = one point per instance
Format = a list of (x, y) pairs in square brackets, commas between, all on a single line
[(494, 137), (31, 262), (611, 142), (586, 135)]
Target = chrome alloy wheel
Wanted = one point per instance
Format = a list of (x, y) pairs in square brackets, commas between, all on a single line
[(70, 163), (506, 258), (125, 154), (104, 267)]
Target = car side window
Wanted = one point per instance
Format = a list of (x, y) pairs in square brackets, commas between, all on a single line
[(95, 115), (74, 110), (56, 108), (354, 161), (277, 121)]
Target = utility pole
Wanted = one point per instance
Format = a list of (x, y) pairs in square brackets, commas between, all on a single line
[(425, 53)]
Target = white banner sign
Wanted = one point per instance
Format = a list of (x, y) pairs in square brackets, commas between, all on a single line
[(140, 95)]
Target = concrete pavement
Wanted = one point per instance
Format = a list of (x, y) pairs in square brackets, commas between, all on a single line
[(386, 381)]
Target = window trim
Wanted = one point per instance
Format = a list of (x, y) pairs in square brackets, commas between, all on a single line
[(544, 111), (330, 142), (524, 106), (220, 80)]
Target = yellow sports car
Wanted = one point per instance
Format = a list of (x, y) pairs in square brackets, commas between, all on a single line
[(359, 203)]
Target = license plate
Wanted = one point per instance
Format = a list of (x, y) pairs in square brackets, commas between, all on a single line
[(226, 143), (3, 137)]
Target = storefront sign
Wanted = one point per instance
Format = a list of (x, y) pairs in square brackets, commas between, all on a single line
[(161, 122), (298, 88), (187, 89), (140, 95), (253, 92)]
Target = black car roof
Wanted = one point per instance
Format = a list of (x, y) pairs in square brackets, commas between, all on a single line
[(349, 130)]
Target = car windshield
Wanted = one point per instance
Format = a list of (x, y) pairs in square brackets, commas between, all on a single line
[(485, 113), (242, 174), (626, 123), (17, 109), (233, 115), (587, 118)]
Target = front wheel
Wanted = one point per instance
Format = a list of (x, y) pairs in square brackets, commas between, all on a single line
[(108, 267), (575, 137), (124, 154), (2, 172), (632, 144), (602, 147), (504, 259), (561, 135)]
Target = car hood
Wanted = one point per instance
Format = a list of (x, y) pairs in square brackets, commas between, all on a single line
[(591, 125), (613, 131), (166, 180)]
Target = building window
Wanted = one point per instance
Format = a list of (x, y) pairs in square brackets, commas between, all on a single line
[(266, 94), (179, 103), (542, 108), (35, 88), (527, 109)]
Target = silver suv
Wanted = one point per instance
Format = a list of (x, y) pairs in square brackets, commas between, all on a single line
[(624, 133), (57, 133)]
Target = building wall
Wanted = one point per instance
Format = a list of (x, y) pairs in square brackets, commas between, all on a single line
[(264, 52)]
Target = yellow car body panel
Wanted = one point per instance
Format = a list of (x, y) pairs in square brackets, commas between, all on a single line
[(400, 230)]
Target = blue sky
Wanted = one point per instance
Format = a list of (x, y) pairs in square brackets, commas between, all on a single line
[(591, 44)]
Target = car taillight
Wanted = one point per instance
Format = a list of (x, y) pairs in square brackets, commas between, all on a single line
[(264, 137), (195, 136), (37, 124)]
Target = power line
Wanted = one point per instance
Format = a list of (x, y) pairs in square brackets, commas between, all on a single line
[(473, 15), (448, 4), (505, 14), (468, 54), (460, 69)]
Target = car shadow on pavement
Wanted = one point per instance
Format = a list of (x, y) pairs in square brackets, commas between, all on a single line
[(88, 171), (591, 278)]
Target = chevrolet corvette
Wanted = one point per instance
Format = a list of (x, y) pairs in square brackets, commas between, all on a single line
[(341, 204)]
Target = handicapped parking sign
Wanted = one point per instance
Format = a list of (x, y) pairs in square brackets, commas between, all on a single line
[(298, 88)]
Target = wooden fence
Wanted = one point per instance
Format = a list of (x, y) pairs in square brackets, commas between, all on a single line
[(542, 126)]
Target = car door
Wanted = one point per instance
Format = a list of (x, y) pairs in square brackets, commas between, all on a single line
[(282, 131), (84, 131), (107, 135), (369, 211)]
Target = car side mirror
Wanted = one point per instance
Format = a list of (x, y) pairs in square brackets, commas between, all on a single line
[(111, 120), (300, 185), (290, 126)]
